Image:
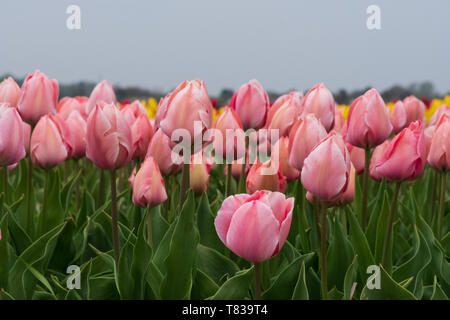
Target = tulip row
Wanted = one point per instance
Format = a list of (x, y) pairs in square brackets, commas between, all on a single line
[(248, 217)]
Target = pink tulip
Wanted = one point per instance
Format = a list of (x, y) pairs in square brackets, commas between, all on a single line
[(132, 111), (50, 142), (280, 153), (103, 92), (9, 92), (236, 169), (160, 148), (231, 135), (180, 109), (26, 136), (441, 111), (407, 111), (339, 122), (77, 127), (141, 133), (326, 170), (251, 104), (284, 112), (404, 157), (108, 137), (67, 104), (357, 157), (199, 172), (304, 136), (428, 134), (320, 102), (11, 136), (39, 97), (439, 155), (255, 227), (148, 185), (368, 122), (376, 156), (266, 176)]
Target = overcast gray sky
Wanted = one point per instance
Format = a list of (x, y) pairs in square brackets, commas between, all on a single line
[(285, 44)]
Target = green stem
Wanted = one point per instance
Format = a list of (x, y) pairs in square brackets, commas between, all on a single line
[(149, 227), (115, 227), (387, 238), (77, 190), (29, 191), (343, 218), (441, 205), (184, 185), (365, 190), (436, 182), (228, 190), (101, 186), (5, 184), (323, 251), (257, 274)]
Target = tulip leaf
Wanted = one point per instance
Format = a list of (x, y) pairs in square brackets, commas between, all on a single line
[(203, 286), (237, 287), (122, 272), (4, 254), (438, 293), (214, 264), (205, 222), (52, 213), (381, 234), (350, 279), (301, 289), (163, 249), (371, 231)]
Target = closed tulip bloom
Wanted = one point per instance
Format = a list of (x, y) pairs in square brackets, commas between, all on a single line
[(428, 134), (357, 157), (231, 137), (67, 104), (187, 104), (304, 136), (102, 92), (266, 176), (284, 112), (326, 170), (108, 137), (251, 104), (11, 136), (255, 227), (141, 133), (404, 157), (339, 122), (199, 169), (407, 111), (441, 111), (148, 185), (320, 102), (376, 156), (26, 136), (9, 92), (160, 148), (50, 142), (368, 122), (280, 153), (77, 127), (439, 155), (39, 97), (132, 111)]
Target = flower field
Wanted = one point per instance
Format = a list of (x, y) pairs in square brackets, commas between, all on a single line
[(298, 198)]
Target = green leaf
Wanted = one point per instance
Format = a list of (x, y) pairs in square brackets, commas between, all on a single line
[(438, 293), (350, 279), (203, 286), (4, 254), (301, 289), (214, 264), (52, 213), (381, 234), (237, 287), (205, 222), (122, 272)]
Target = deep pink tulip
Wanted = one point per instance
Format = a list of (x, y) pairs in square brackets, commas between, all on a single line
[(376, 156), (442, 110), (199, 169), (77, 127), (103, 92), (230, 144), (50, 142), (9, 92), (148, 185), (280, 153), (67, 104), (357, 157), (180, 109), (160, 148), (255, 227), (439, 155), (251, 104), (305, 135), (326, 170), (368, 122), (108, 137), (39, 97), (404, 157), (266, 176), (11, 136), (141, 133), (284, 112), (320, 102), (407, 111)]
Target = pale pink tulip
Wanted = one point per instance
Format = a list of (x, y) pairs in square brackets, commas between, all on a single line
[(67, 104), (160, 148), (441, 111), (407, 111), (280, 153), (230, 143), (103, 92), (141, 134), (284, 112), (320, 102), (199, 169), (9, 92), (266, 176), (132, 111), (439, 155), (11, 136), (428, 133), (357, 157), (148, 185), (77, 127), (376, 156)]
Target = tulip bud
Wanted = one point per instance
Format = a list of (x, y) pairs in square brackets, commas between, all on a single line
[(320, 102), (148, 185), (141, 133), (108, 137), (39, 97), (439, 155), (11, 136), (326, 170), (376, 156), (77, 127), (266, 176), (284, 112), (251, 104), (280, 154), (161, 150), (304, 136), (50, 142), (199, 172), (410, 110), (9, 92), (102, 92), (67, 104), (357, 157), (441, 111), (404, 157), (255, 227), (230, 143), (368, 122)]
